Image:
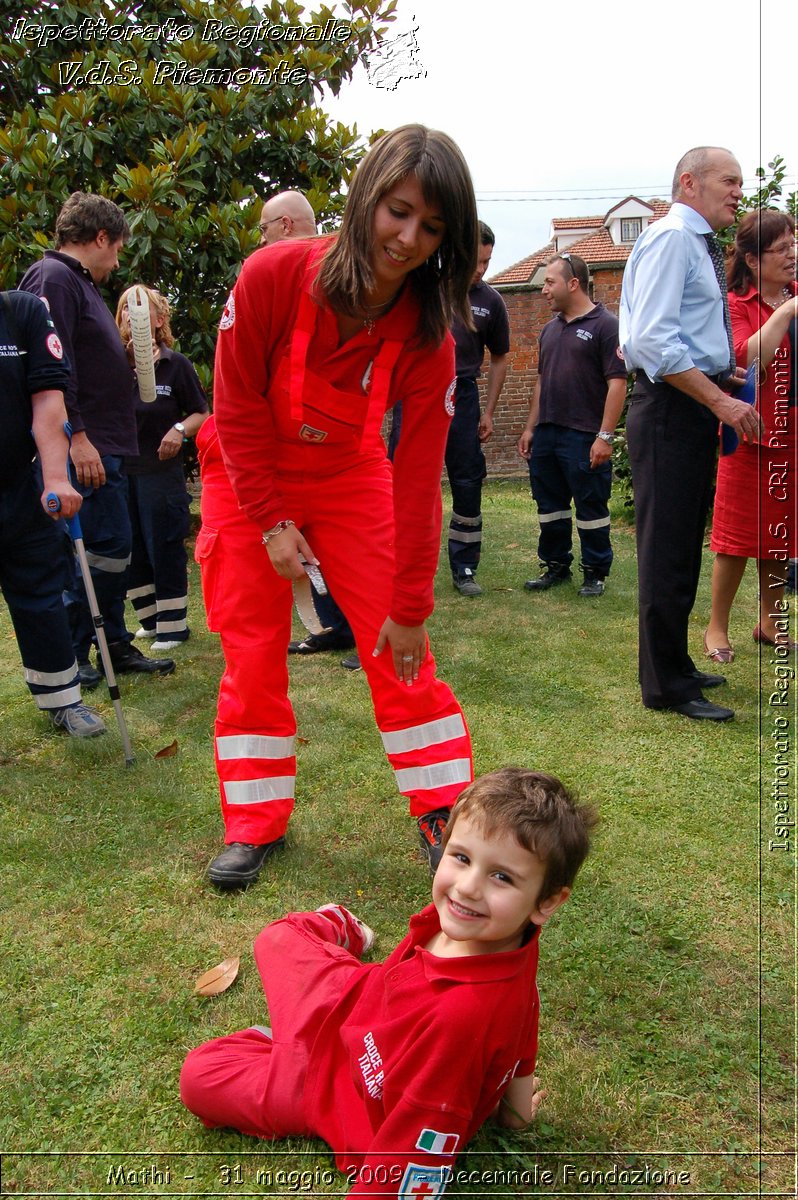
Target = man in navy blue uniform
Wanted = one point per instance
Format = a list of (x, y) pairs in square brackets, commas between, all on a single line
[(465, 460), (89, 234), (570, 430), (33, 375)]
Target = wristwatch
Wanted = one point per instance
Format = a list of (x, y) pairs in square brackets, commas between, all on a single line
[(180, 427), (609, 438)]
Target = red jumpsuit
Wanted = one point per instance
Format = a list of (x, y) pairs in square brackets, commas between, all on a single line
[(299, 421), (370, 1057)]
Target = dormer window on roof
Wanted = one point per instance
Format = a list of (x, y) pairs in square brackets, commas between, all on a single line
[(631, 228)]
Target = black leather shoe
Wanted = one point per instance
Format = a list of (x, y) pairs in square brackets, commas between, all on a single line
[(704, 680), (240, 863), (127, 658), (89, 675), (549, 579), (703, 710), (319, 643)]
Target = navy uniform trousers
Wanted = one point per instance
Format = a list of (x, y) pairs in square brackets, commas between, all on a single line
[(33, 570), (465, 466)]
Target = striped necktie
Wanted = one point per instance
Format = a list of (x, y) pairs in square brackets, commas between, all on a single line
[(716, 254)]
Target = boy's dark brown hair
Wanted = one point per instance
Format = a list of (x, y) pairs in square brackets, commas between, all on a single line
[(539, 812)]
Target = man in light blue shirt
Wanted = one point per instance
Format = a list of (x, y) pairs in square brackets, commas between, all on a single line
[(673, 335)]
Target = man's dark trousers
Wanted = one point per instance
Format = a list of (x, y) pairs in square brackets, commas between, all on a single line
[(672, 447), (465, 466), (560, 470)]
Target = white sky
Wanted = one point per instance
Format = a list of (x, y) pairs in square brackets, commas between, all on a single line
[(551, 100)]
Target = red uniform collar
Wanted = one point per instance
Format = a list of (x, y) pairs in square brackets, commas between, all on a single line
[(471, 968)]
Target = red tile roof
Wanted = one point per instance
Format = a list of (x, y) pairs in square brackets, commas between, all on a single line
[(596, 248), (577, 222)]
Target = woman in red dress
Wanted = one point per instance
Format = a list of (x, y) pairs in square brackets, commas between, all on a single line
[(755, 505)]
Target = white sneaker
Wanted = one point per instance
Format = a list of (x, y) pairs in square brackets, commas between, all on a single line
[(77, 720), (159, 645), (141, 632)]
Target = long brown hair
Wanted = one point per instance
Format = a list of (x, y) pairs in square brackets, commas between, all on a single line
[(441, 283), (756, 233)]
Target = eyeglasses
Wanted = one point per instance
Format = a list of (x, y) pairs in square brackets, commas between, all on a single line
[(264, 225), (781, 248)]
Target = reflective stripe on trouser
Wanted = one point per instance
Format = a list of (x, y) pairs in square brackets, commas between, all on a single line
[(466, 468), (560, 470), (431, 761), (422, 727), (465, 542), (255, 726), (164, 616), (250, 605), (105, 523), (33, 569), (158, 579)]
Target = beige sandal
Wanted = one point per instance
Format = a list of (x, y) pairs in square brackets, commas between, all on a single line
[(719, 654)]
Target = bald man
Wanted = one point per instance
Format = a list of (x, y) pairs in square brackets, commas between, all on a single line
[(675, 335), (287, 215)]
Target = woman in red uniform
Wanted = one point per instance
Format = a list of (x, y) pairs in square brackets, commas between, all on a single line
[(756, 500), (317, 340)]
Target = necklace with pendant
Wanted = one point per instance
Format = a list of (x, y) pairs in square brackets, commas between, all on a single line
[(783, 297), (373, 312)]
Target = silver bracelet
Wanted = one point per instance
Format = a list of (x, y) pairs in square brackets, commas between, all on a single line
[(278, 528)]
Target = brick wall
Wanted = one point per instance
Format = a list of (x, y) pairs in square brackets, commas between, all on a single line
[(528, 313)]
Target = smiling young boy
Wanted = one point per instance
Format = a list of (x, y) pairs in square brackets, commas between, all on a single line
[(397, 1064)]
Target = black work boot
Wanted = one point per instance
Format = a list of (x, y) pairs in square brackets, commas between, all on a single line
[(240, 863), (593, 585), (553, 574)]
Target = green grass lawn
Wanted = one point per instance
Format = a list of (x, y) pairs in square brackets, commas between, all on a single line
[(667, 982)]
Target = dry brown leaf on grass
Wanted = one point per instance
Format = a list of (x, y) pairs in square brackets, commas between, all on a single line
[(218, 979), (168, 751)]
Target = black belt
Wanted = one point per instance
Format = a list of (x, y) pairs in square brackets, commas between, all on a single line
[(719, 380)]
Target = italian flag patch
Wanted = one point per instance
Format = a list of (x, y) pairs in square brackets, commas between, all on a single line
[(437, 1143)]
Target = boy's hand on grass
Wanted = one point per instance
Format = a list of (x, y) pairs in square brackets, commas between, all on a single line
[(539, 1094), (523, 1096)]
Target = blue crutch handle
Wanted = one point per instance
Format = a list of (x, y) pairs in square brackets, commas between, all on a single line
[(54, 504)]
